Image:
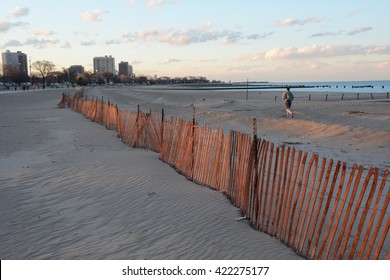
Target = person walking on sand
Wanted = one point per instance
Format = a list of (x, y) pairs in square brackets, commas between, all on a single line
[(288, 97)]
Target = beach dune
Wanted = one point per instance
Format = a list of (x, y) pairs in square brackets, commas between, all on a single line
[(72, 190)]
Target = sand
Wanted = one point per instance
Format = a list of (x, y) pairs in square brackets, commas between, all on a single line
[(354, 131), (71, 190)]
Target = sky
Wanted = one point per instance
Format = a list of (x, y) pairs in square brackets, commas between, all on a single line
[(227, 40)]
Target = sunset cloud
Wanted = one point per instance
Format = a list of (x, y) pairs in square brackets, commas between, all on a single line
[(41, 44), (291, 21), (19, 11), (93, 15), (7, 25), (204, 33), (134, 62), (316, 51), (66, 45), (322, 34), (4, 26), (42, 32), (169, 60), (36, 43), (359, 30), (88, 43), (114, 42), (156, 3), (354, 12), (12, 43)]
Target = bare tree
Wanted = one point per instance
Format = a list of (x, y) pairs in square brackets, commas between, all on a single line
[(107, 76), (45, 69), (1, 74), (88, 76)]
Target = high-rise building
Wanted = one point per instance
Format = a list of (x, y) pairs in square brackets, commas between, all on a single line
[(76, 69), (104, 64), (131, 70), (125, 69), (15, 62)]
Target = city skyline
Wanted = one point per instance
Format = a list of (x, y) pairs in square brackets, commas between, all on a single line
[(223, 40)]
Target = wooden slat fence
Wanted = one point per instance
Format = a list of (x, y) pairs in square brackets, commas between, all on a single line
[(320, 208)]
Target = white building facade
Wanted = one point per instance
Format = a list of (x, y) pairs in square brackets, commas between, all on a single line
[(104, 64), (15, 61)]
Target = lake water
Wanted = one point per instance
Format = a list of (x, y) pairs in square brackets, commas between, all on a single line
[(343, 87)]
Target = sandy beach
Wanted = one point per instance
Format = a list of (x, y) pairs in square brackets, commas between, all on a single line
[(354, 131), (71, 190)]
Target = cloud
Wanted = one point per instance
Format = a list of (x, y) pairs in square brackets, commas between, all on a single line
[(169, 60), (259, 36), (207, 60), (41, 44), (134, 62), (42, 32), (66, 45), (359, 30), (88, 43), (12, 43), (19, 11), (354, 12), (173, 37), (93, 15), (114, 42), (322, 34), (234, 36), (378, 50), (382, 65), (290, 21), (6, 25), (156, 3), (231, 37), (204, 33), (316, 51)]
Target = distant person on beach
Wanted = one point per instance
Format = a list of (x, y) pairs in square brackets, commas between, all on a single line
[(288, 97)]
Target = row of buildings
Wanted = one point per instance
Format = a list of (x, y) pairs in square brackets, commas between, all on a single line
[(16, 62), (106, 64)]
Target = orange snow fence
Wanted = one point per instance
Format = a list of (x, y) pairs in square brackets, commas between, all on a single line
[(321, 208)]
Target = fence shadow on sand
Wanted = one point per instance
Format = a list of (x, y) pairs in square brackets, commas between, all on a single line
[(320, 208)]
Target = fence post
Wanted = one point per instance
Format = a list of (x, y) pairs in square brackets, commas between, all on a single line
[(253, 172), (136, 144), (101, 112), (119, 124), (193, 118), (162, 130), (193, 142)]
